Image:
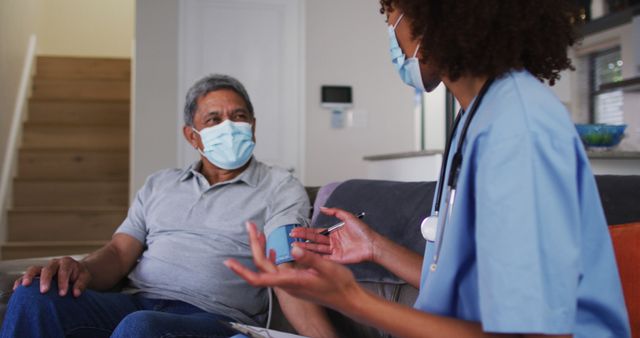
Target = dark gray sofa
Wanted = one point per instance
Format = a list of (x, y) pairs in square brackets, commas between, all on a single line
[(396, 210)]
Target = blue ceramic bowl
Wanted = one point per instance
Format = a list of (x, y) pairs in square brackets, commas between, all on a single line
[(600, 135)]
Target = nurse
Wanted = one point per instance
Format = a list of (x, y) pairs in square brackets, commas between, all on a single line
[(518, 243)]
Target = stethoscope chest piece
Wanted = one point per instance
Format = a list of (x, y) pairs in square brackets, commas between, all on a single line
[(429, 228)]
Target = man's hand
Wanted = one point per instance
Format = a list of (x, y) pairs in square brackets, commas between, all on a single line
[(353, 243), (68, 271), (317, 280)]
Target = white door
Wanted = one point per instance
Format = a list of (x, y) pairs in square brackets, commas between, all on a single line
[(260, 42)]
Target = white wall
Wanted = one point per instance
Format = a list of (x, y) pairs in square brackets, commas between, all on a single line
[(154, 129), (85, 27), (347, 44), (17, 23)]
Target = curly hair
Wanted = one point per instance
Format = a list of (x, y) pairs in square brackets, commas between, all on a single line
[(492, 37)]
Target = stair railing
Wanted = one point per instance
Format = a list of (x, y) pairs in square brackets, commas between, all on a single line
[(9, 164)]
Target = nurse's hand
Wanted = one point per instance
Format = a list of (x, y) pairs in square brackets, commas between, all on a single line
[(316, 279), (353, 243)]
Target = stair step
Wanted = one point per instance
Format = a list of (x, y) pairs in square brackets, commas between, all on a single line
[(17, 250), (63, 225), (41, 193), (50, 136), (81, 89), (83, 68), (73, 164), (53, 208), (94, 112)]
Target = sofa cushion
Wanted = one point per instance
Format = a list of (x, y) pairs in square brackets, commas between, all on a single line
[(394, 209), (620, 196), (626, 243), (321, 199)]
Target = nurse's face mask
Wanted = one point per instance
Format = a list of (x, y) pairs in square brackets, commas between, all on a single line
[(228, 145), (408, 68)]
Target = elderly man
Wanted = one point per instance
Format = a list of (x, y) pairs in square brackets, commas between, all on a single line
[(181, 226)]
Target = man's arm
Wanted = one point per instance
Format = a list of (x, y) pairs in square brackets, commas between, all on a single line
[(112, 262), (104, 268), (101, 270), (290, 204), (307, 318)]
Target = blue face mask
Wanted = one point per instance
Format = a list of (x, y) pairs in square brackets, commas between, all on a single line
[(228, 145), (408, 68)]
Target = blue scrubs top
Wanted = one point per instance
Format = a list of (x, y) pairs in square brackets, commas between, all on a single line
[(527, 249)]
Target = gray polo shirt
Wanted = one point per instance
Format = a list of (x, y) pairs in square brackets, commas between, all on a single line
[(189, 228)]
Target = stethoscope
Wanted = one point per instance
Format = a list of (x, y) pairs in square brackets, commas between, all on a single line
[(429, 225)]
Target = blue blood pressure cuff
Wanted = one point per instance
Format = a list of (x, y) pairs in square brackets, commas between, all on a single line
[(280, 242)]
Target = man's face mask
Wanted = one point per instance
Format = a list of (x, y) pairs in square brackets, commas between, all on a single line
[(228, 145), (408, 68)]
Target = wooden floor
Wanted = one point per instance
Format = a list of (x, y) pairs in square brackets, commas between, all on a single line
[(71, 189)]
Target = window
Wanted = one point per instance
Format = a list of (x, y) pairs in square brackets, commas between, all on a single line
[(606, 106)]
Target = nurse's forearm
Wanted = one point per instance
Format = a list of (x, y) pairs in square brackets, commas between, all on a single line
[(403, 321), (401, 261)]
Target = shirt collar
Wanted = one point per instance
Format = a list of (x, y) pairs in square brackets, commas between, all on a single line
[(249, 176)]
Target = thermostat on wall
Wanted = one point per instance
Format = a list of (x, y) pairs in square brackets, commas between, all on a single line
[(336, 97)]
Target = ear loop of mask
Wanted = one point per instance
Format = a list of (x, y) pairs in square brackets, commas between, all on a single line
[(197, 132), (398, 21), (417, 49), (394, 29), (198, 149)]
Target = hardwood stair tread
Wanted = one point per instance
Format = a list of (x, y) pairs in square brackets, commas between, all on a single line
[(71, 151), (48, 125), (72, 100), (109, 148), (35, 243), (56, 164), (90, 117), (33, 249), (81, 89), (116, 178), (83, 67), (63, 181), (64, 209), (30, 193), (52, 136), (64, 225), (80, 58)]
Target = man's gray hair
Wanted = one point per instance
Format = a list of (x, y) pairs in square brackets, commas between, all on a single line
[(209, 84)]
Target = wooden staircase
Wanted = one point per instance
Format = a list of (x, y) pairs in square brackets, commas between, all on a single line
[(71, 190)]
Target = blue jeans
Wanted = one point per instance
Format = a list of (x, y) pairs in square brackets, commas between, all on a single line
[(102, 314)]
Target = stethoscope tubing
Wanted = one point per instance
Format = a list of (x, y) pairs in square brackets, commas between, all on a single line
[(456, 162), (456, 165)]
